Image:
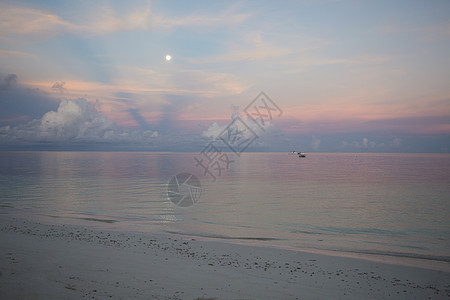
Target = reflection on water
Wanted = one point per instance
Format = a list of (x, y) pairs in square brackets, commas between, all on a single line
[(374, 203)]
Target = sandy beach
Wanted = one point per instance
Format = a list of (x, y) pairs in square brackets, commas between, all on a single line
[(49, 261)]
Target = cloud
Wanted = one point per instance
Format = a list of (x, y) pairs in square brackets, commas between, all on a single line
[(396, 143), (137, 116), (250, 47), (213, 130), (206, 83), (315, 143), (74, 121), (367, 145), (362, 144), (107, 20), (306, 62), (8, 54), (18, 20), (206, 22), (59, 86), (245, 126), (242, 129), (8, 82), (262, 45), (78, 125), (19, 102), (365, 142), (143, 102)]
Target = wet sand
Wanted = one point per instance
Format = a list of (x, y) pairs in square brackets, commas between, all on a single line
[(42, 261)]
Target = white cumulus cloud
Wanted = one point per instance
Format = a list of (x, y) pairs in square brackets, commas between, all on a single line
[(73, 121)]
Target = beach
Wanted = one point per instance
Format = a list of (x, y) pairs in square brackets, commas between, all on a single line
[(57, 261), (238, 150)]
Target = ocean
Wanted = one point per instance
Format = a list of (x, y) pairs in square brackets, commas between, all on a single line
[(388, 206)]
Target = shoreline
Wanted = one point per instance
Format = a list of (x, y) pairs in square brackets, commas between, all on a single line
[(395, 258), (401, 259), (69, 261)]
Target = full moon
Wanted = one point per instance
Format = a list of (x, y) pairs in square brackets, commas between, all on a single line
[(168, 57)]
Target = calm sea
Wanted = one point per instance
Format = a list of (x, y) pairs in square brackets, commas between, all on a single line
[(391, 205)]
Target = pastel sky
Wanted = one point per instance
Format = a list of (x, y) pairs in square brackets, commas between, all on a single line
[(349, 76)]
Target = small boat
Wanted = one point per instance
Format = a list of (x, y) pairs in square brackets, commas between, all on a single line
[(300, 154)]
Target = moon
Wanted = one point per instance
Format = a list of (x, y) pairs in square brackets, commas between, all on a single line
[(168, 57)]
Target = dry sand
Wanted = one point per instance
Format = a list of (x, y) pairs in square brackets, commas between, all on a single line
[(42, 261)]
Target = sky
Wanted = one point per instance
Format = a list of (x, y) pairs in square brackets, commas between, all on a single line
[(344, 76)]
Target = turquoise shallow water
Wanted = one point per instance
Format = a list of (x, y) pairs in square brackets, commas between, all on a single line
[(390, 204)]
